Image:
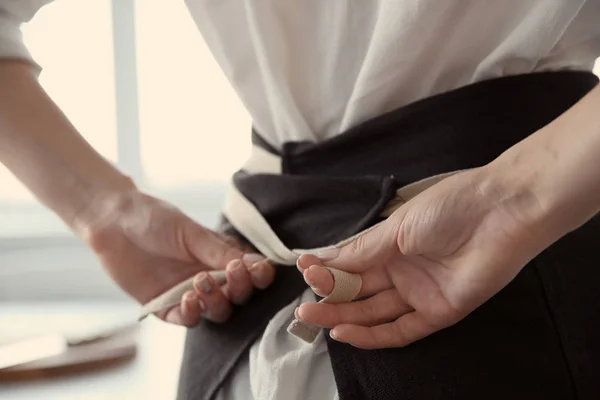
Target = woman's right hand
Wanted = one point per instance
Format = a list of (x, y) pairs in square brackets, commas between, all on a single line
[(147, 246)]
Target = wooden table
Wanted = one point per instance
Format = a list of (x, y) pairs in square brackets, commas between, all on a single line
[(151, 375)]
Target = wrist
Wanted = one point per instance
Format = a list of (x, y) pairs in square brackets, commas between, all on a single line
[(509, 190), (47, 154), (102, 202), (547, 198)]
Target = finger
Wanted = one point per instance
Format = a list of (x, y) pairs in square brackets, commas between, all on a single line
[(218, 308), (321, 281), (373, 248), (381, 308), (208, 248), (187, 313), (191, 308), (262, 274), (234, 241), (239, 284), (172, 316), (230, 240), (405, 330), (305, 261), (249, 259)]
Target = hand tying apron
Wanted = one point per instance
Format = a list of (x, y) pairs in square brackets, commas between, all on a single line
[(248, 221), (534, 338)]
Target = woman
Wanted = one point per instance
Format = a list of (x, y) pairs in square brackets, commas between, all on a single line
[(355, 101)]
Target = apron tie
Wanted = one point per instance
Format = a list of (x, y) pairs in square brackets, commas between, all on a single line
[(250, 223)]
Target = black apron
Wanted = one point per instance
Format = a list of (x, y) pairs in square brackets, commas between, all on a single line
[(539, 338)]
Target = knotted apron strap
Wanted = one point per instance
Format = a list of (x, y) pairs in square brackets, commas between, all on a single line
[(250, 223)]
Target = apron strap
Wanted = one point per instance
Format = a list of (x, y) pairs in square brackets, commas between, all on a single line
[(250, 223)]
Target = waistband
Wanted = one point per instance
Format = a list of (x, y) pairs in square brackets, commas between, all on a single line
[(460, 129)]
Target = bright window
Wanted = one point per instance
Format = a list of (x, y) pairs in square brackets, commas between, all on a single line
[(164, 113), (192, 126), (78, 74), (137, 80)]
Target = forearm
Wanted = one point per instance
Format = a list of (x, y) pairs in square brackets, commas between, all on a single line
[(559, 166), (46, 153)]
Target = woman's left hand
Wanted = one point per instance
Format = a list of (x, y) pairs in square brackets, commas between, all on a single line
[(431, 263)]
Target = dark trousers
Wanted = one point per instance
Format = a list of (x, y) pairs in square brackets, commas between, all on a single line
[(539, 338)]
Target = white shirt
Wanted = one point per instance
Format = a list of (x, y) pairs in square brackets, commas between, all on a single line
[(310, 69)]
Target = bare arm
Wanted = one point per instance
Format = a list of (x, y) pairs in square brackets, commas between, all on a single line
[(448, 250), (145, 245), (560, 166), (45, 152)]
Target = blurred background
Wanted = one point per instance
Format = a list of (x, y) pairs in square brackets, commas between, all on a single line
[(136, 78)]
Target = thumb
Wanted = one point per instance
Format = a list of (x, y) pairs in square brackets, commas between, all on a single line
[(209, 248), (372, 248)]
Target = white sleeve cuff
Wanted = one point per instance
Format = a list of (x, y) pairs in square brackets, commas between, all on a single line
[(11, 40)]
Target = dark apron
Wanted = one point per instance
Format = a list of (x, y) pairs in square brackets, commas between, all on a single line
[(539, 338)]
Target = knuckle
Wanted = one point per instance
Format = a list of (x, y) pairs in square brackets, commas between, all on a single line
[(234, 242), (196, 236), (215, 253), (367, 312), (229, 239), (357, 246), (223, 253), (263, 274)]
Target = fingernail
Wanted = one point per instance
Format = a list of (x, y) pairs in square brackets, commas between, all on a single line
[(202, 305), (308, 279), (191, 297), (237, 271), (296, 315), (328, 254), (204, 284), (252, 258), (254, 268), (257, 273), (333, 334)]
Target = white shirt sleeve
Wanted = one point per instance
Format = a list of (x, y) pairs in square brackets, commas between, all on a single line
[(12, 14)]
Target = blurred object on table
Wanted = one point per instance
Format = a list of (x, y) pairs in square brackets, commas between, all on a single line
[(47, 356), (45, 343), (151, 374)]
